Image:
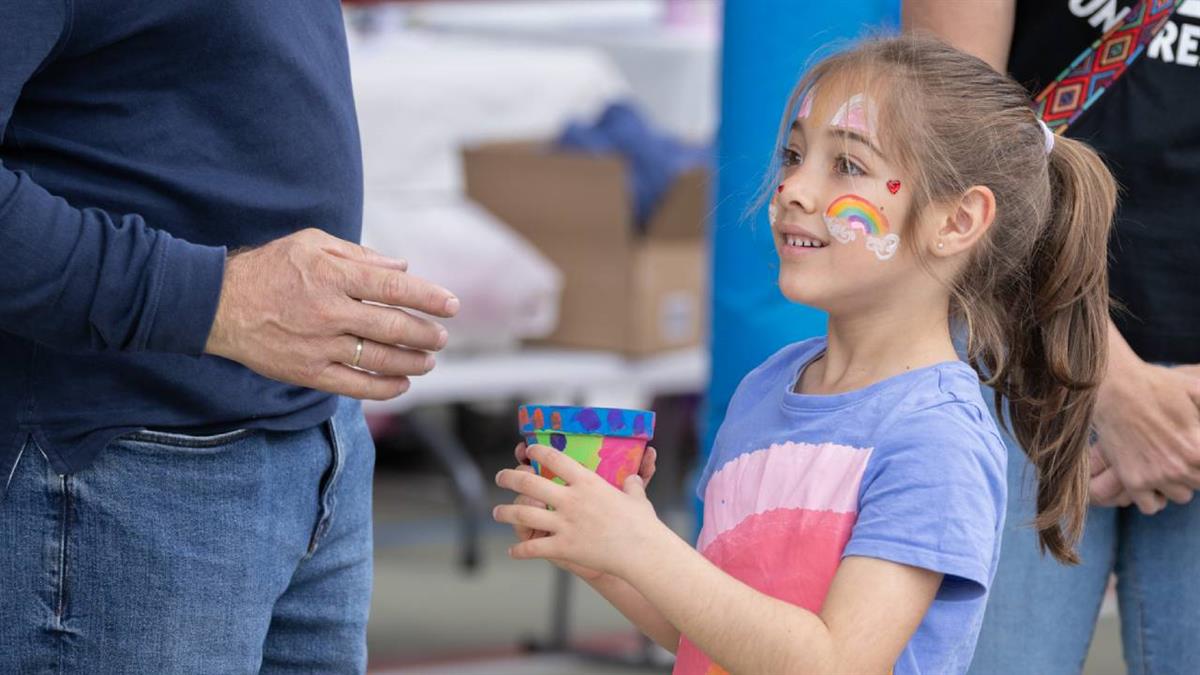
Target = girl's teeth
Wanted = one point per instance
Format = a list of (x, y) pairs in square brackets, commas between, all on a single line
[(803, 243)]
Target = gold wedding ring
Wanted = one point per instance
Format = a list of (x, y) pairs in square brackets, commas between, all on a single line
[(357, 353)]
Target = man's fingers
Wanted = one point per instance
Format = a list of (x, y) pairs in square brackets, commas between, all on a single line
[(400, 289), (342, 379), (355, 252), (394, 326), (384, 359)]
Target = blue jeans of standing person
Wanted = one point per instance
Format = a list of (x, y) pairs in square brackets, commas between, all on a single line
[(1041, 615), (244, 552)]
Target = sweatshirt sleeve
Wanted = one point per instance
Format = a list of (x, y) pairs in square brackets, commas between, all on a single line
[(79, 279)]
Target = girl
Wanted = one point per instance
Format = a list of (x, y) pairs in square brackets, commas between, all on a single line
[(855, 494)]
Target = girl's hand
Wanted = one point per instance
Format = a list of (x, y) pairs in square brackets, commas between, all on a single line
[(592, 525), (525, 534)]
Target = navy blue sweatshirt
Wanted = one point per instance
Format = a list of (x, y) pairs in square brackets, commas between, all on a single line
[(141, 139)]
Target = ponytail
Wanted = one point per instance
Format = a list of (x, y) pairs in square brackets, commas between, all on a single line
[(1056, 343)]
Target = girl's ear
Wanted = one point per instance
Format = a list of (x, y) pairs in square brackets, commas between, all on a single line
[(966, 222)]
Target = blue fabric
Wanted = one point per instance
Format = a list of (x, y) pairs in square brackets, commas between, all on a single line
[(765, 48), (1042, 614), (141, 140), (654, 159), (245, 552), (932, 493)]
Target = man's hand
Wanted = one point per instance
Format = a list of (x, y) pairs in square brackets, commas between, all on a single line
[(1148, 422), (294, 310)]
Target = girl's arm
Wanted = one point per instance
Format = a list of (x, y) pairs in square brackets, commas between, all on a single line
[(872, 610), (637, 609)]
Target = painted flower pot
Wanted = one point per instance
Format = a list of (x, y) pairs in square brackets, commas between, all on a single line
[(609, 441)]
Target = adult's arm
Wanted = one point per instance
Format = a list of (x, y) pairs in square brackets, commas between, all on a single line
[(983, 28), (85, 279), (78, 279)]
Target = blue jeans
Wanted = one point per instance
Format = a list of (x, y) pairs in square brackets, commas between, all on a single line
[(1041, 615), (244, 552)]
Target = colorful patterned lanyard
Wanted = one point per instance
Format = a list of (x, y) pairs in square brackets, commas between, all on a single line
[(1097, 68)]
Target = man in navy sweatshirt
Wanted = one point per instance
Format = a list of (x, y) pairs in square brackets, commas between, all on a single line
[(185, 476)]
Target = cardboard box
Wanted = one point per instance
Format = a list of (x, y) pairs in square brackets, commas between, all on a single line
[(632, 292)]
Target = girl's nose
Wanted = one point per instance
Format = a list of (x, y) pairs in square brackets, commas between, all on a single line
[(794, 194)]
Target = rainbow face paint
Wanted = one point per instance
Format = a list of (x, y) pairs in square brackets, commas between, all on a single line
[(851, 215)]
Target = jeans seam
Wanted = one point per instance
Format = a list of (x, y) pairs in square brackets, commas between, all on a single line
[(1139, 609), (60, 603)]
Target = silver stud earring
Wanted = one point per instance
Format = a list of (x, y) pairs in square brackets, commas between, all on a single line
[(940, 244)]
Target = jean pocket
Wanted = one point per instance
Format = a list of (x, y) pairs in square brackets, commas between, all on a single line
[(177, 441)]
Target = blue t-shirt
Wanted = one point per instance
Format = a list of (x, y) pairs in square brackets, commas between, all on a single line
[(910, 469)]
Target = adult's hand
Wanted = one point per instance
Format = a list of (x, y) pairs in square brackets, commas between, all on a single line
[(1148, 426), (294, 310)]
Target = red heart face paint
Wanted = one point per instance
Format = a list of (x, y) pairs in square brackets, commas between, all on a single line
[(893, 186)]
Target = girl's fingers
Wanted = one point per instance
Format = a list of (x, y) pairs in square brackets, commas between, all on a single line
[(528, 517), (524, 481), (647, 468), (546, 547), (521, 454), (523, 532)]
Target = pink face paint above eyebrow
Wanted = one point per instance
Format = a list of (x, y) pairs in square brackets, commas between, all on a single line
[(806, 104), (856, 114)]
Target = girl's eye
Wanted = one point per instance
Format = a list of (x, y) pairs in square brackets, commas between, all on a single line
[(790, 157), (848, 167)]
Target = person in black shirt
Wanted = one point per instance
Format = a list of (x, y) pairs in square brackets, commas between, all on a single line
[(1143, 524)]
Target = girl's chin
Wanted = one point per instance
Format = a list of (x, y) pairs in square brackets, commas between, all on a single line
[(802, 294)]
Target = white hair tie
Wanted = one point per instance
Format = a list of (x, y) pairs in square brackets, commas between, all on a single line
[(1049, 136)]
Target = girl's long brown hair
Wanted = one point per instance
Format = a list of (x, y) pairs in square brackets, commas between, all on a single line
[(1033, 296)]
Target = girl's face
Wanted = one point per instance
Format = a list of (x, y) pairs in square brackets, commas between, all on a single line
[(840, 213)]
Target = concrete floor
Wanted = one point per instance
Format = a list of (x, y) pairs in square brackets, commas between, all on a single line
[(430, 617)]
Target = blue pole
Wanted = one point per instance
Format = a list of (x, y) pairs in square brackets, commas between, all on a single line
[(766, 46)]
